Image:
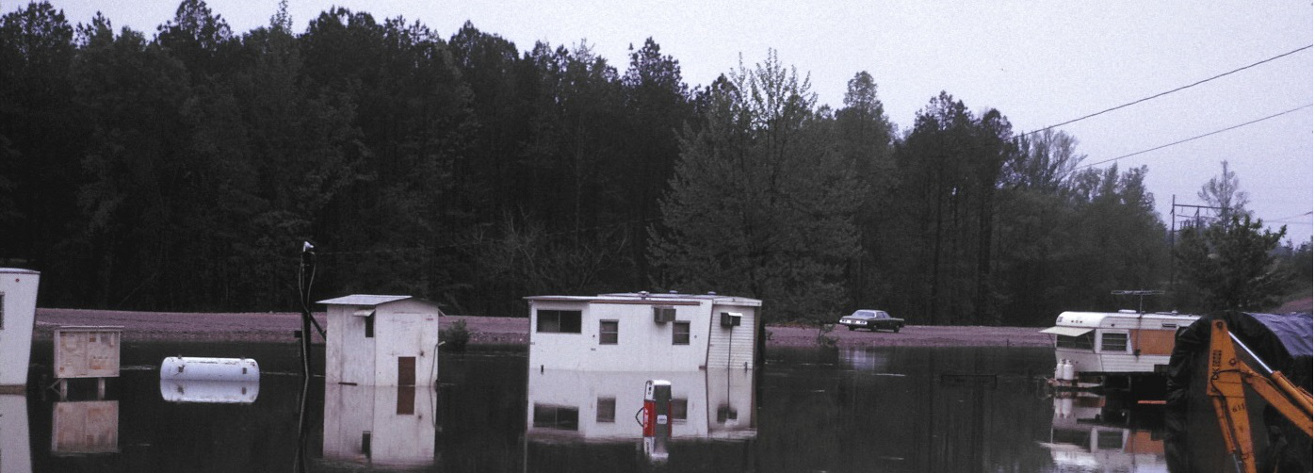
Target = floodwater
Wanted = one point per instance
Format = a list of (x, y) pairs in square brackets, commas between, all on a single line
[(806, 410)]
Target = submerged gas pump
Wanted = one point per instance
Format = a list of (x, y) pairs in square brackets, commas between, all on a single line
[(655, 418)]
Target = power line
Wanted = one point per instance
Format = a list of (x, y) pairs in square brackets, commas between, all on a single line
[(1161, 94), (1197, 137)]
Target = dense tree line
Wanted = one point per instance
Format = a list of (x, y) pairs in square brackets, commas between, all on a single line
[(182, 171)]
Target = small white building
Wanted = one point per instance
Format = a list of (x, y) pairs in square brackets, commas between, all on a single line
[(18, 303), (375, 340), (643, 332)]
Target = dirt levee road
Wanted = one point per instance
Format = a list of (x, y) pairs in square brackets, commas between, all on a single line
[(280, 326)]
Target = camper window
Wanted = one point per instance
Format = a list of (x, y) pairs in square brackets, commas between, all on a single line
[(558, 321), (1112, 341), (1082, 342)]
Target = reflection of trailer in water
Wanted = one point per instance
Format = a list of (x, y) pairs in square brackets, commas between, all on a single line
[(1114, 350), (1088, 433), (592, 406)]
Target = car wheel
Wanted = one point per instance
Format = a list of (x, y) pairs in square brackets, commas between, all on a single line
[(897, 329)]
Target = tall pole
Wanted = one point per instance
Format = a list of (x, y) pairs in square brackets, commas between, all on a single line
[(306, 278)]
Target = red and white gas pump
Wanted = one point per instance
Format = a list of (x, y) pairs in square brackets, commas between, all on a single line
[(655, 418)]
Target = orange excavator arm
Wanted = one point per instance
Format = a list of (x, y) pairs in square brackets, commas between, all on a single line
[(1229, 376)]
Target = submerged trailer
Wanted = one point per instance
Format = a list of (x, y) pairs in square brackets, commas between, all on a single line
[(1114, 350)]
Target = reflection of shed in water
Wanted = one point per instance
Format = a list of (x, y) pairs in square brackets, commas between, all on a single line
[(601, 406), (387, 426), (84, 427), (381, 341), (643, 332), (18, 302)]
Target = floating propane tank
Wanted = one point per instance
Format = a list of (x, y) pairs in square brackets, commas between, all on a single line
[(209, 380)]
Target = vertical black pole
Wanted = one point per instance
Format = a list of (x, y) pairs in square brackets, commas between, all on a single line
[(305, 281)]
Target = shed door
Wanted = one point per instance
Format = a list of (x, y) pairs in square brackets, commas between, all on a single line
[(406, 371)]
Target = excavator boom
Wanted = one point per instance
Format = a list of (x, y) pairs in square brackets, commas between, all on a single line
[(1229, 376)]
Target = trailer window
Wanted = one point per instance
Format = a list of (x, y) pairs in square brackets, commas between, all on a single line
[(1114, 342), (606, 410), (680, 333), (2, 311), (1082, 342), (558, 321), (607, 332), (556, 417)]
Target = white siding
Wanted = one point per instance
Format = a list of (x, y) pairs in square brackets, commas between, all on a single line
[(731, 347), (397, 438), (405, 328), (642, 345), (19, 289)]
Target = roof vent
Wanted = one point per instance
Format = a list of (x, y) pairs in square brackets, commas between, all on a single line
[(643, 294), (712, 293)]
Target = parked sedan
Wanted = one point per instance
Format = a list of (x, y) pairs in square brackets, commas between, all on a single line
[(872, 320)]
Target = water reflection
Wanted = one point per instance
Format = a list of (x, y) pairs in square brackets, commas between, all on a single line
[(85, 427), (387, 426), (209, 392), (15, 453), (1093, 433), (602, 406)]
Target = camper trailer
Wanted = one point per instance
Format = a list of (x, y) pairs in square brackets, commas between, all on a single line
[(643, 332), (1109, 349)]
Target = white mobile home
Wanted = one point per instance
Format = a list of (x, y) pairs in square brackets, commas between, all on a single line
[(643, 332), (1094, 345), (18, 303), (378, 340)]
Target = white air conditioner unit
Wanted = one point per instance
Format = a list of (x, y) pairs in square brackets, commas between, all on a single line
[(663, 315)]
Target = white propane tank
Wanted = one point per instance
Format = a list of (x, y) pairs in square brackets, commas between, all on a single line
[(209, 369), (1059, 370), (1068, 371)]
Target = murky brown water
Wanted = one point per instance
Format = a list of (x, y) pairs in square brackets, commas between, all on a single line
[(893, 409)]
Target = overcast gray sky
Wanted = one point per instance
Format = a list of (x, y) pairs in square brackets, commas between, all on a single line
[(1040, 63)]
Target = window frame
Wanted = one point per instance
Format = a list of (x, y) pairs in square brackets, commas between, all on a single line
[(676, 332), (679, 415), (1086, 341), (599, 416), (1105, 345), (609, 337), (550, 321)]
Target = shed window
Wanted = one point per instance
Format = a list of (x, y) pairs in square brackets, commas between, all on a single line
[(1082, 342), (556, 417), (1114, 342), (369, 326), (680, 333), (607, 332), (2, 311), (558, 321)]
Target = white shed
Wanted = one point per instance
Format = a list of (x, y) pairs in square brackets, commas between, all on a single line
[(378, 340), (18, 303), (643, 332)]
